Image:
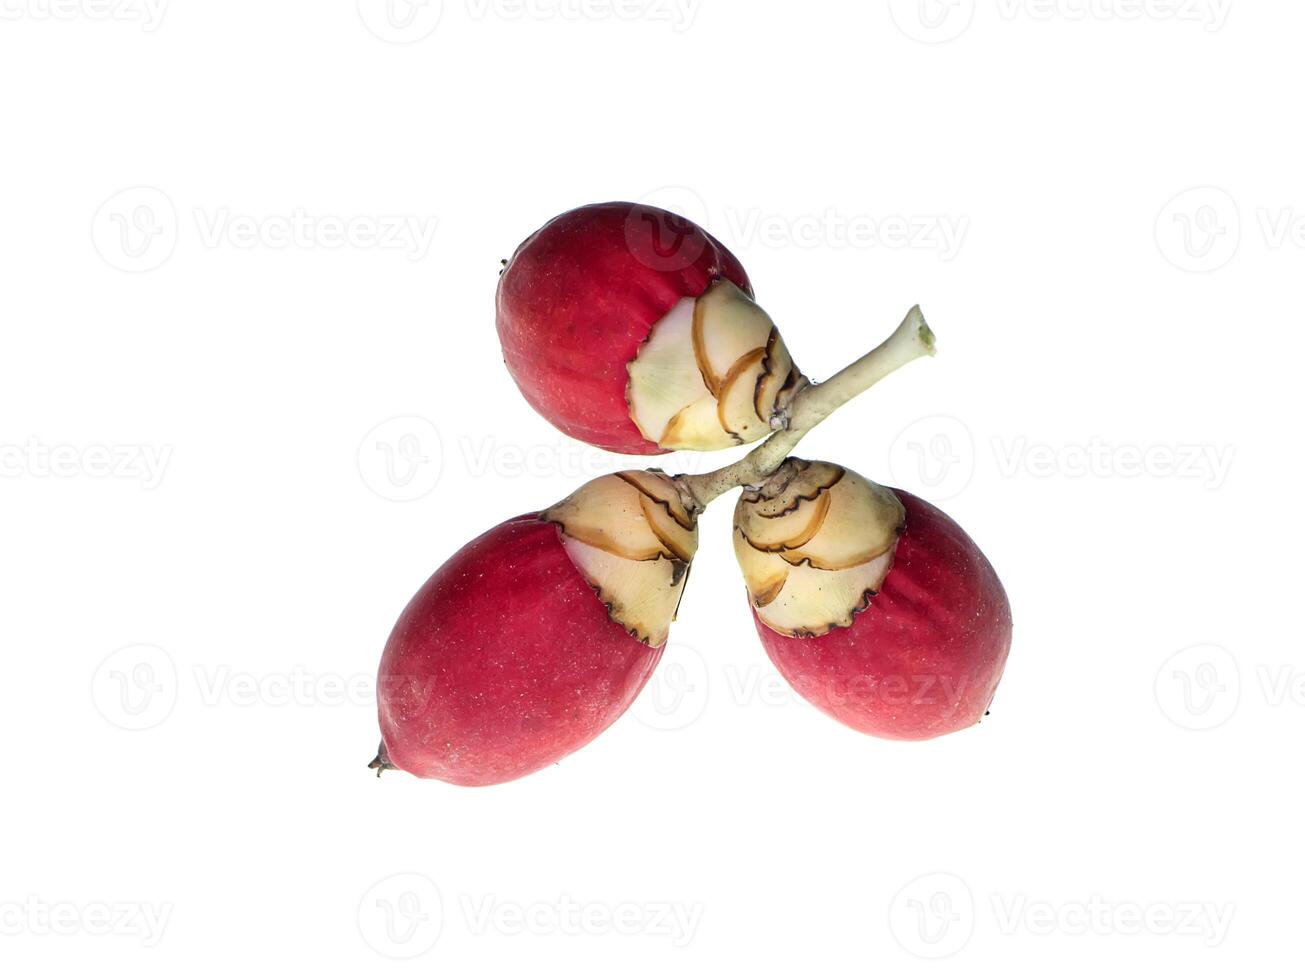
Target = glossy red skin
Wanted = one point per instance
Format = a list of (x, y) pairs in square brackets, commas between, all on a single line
[(581, 294), (504, 662), (926, 656)]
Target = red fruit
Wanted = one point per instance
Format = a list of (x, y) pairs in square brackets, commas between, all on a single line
[(873, 604), (534, 637), (579, 303)]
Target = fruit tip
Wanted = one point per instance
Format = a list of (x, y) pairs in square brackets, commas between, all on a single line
[(925, 334), (381, 762)]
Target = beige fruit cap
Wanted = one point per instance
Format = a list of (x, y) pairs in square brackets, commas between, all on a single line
[(815, 543), (711, 373), (631, 537)]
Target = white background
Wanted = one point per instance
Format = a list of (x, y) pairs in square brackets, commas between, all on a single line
[(203, 549)]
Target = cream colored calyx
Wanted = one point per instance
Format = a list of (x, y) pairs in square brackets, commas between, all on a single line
[(632, 539), (711, 374), (815, 543)]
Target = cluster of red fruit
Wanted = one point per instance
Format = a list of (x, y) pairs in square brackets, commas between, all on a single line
[(634, 330)]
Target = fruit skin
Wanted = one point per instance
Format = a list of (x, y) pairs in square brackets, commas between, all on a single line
[(924, 659), (504, 662), (582, 293)]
